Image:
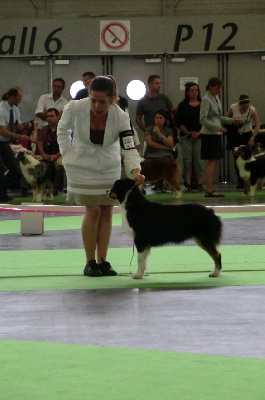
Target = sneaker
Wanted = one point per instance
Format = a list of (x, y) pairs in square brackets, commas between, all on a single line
[(106, 269), (92, 269)]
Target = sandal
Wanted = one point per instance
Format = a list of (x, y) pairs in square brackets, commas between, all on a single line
[(213, 194)]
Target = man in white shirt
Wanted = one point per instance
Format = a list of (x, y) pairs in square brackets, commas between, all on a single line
[(51, 100)]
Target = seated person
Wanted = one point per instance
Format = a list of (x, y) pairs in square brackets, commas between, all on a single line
[(48, 146), (159, 140)]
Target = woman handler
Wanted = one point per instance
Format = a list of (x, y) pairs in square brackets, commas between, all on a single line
[(92, 161)]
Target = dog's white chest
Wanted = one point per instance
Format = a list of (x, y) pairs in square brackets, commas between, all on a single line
[(244, 174), (125, 226)]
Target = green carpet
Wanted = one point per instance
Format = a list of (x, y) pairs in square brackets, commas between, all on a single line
[(186, 266), (49, 371), (52, 224), (52, 371)]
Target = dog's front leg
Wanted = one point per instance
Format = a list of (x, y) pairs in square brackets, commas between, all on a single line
[(35, 194), (143, 258), (252, 190)]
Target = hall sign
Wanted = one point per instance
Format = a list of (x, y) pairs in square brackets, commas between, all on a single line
[(185, 33), (24, 42), (137, 36)]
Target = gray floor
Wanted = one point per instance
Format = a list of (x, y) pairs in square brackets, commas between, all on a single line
[(235, 231), (227, 320)]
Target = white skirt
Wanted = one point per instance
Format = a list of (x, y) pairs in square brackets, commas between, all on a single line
[(89, 177)]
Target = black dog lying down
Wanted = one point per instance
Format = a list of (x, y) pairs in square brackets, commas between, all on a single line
[(153, 224)]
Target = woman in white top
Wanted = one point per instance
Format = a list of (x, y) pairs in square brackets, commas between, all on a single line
[(243, 134), (92, 161), (244, 111)]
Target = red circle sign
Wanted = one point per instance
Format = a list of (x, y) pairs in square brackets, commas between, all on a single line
[(115, 35)]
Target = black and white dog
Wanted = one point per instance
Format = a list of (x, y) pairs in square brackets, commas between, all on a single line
[(38, 174), (251, 168), (153, 224)]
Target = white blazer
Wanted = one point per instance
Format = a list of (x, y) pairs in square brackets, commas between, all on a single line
[(81, 157)]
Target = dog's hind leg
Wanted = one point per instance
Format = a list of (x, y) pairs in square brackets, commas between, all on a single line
[(173, 181), (143, 258), (50, 186), (214, 254)]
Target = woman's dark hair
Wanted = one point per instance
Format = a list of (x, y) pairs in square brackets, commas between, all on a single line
[(164, 113), (188, 85), (103, 84), (214, 82), (244, 99), (11, 92)]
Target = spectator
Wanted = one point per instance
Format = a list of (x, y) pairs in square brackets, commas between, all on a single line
[(51, 100), (187, 118), (211, 119), (87, 78), (49, 148), (152, 102), (10, 125), (243, 133), (159, 142)]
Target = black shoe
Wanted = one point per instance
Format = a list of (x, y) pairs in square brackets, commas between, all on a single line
[(107, 269), (92, 269), (4, 198)]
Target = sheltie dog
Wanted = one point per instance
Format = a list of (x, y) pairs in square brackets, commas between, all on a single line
[(163, 168), (38, 174), (152, 224), (251, 168)]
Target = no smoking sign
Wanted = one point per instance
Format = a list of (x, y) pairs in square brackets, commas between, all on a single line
[(115, 36)]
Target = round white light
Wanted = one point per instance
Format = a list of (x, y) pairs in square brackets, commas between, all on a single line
[(77, 85), (135, 89)]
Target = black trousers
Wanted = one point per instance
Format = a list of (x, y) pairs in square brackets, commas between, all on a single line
[(7, 162)]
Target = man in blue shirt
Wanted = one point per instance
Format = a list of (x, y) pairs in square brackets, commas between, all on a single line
[(10, 125)]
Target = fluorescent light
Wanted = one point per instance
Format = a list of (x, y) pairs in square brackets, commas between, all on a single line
[(37, 62), (178, 59), (62, 62), (153, 60)]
